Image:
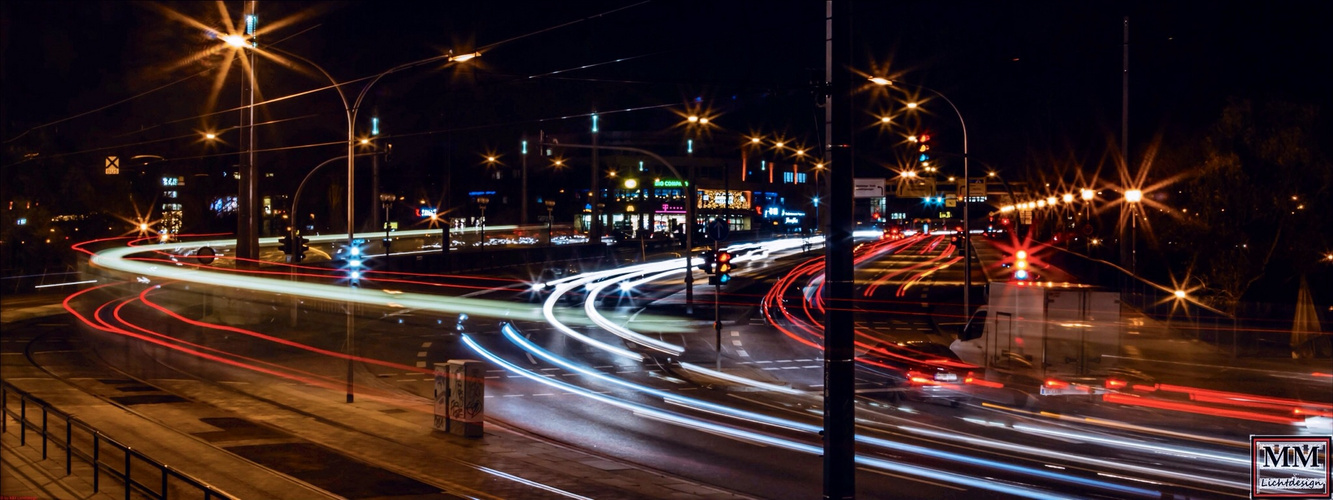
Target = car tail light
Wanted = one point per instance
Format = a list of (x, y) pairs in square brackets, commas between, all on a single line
[(1056, 384), (1115, 383), (918, 378), (972, 379)]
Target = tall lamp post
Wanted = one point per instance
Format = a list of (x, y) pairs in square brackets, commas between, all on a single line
[(350, 108), (550, 219), (1133, 197), (482, 201), (523, 190), (967, 187)]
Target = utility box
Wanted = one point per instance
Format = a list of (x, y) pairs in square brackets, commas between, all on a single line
[(441, 422), (464, 396)]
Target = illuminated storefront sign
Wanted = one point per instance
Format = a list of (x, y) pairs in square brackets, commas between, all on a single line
[(714, 199), (671, 207), (668, 183)]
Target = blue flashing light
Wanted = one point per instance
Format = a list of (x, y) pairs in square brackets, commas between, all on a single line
[(640, 165), (689, 146), (1021, 274), (594, 123), (763, 165), (356, 251), (374, 126), (525, 147), (251, 23), (354, 262), (923, 157)]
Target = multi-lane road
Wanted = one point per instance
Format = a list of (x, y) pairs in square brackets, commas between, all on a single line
[(609, 361)]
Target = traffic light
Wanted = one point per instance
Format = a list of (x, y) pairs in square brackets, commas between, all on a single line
[(354, 264), (1021, 265), (285, 243), (723, 268), (707, 264), (299, 248)]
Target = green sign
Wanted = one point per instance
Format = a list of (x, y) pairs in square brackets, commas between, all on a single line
[(668, 183)]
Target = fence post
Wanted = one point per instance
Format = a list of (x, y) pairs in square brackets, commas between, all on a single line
[(4, 409), (69, 445), (23, 420), (43, 432), (97, 469), (164, 481)]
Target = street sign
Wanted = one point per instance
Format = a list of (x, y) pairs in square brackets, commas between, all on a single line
[(112, 165), (976, 188), (868, 188), (719, 230), (205, 255)]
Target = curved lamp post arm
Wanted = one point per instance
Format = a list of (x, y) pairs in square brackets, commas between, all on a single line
[(967, 224)]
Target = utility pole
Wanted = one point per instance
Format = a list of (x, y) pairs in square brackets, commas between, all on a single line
[(839, 351), (247, 198), (1126, 248)]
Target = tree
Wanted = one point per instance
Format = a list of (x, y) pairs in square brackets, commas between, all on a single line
[(1256, 202)]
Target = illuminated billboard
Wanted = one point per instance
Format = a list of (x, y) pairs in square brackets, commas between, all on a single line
[(721, 199)]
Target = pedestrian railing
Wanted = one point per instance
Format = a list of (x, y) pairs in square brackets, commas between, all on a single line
[(136, 472)]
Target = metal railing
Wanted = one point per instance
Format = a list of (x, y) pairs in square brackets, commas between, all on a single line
[(86, 443)]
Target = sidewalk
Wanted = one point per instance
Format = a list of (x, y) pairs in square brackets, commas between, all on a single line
[(256, 445)]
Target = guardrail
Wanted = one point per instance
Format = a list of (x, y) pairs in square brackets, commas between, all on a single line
[(87, 445)]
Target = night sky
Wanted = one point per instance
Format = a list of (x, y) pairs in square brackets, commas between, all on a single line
[(1038, 83)]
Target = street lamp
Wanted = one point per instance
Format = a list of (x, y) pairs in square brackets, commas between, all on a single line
[(967, 225), (386, 200), (482, 201), (1133, 197), (550, 219), (245, 235)]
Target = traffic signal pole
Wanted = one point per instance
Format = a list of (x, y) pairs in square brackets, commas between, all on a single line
[(717, 294)]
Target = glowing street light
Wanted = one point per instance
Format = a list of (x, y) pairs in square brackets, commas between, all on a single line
[(465, 57), (1134, 196), (1067, 198), (1087, 194)]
